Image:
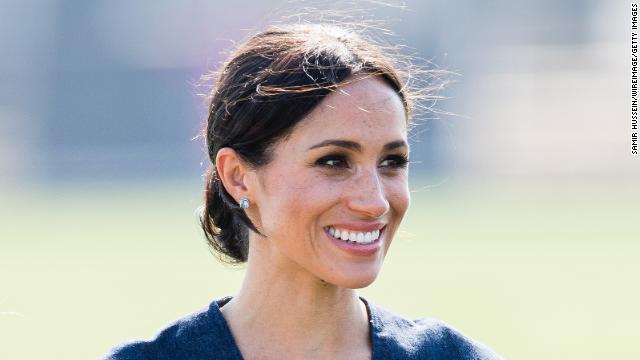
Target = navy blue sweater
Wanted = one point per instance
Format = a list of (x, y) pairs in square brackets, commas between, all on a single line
[(206, 335)]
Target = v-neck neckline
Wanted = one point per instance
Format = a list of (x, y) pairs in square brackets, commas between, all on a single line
[(221, 323)]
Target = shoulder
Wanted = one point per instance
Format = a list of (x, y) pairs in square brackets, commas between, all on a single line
[(401, 338), (181, 339), (451, 343)]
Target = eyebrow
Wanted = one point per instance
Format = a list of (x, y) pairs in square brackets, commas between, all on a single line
[(352, 145)]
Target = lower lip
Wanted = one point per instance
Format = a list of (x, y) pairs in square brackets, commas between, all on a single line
[(358, 249)]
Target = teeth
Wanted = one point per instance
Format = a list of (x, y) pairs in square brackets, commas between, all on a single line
[(354, 236)]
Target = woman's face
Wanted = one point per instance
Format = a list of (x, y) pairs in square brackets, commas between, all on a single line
[(341, 174)]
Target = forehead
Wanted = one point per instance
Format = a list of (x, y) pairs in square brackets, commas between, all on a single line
[(366, 107)]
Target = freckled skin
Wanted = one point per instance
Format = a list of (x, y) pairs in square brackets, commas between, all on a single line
[(295, 198)]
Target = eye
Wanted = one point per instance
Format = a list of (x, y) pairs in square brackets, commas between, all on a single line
[(395, 161), (339, 161), (333, 161)]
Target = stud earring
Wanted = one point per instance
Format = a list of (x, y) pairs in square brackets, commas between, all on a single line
[(244, 203)]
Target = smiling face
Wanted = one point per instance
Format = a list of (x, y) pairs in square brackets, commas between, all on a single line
[(341, 174)]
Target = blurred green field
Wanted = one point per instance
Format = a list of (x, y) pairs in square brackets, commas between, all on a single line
[(538, 270)]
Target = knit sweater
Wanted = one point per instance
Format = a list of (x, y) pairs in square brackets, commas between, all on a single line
[(206, 335)]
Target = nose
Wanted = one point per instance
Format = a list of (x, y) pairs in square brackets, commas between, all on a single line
[(367, 196)]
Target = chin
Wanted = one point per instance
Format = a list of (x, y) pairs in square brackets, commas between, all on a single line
[(357, 280)]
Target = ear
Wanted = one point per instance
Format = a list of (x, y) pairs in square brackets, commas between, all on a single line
[(232, 172)]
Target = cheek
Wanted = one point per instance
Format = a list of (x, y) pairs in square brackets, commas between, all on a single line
[(313, 197), (399, 196), (293, 204)]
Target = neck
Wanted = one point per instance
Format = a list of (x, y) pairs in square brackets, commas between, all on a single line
[(283, 309)]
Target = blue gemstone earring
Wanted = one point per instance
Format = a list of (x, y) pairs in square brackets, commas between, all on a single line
[(244, 203)]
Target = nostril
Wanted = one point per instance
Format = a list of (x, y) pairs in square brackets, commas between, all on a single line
[(373, 208)]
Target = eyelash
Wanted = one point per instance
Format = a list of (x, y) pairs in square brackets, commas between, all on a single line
[(401, 161)]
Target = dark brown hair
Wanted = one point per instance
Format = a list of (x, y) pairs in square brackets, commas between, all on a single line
[(266, 87)]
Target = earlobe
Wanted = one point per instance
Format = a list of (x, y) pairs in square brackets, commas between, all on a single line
[(231, 171)]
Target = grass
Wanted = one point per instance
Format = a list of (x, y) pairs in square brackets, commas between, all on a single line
[(536, 271)]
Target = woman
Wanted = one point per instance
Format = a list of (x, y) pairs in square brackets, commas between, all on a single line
[(307, 134)]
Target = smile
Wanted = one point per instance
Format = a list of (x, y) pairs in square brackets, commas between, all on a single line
[(353, 236)]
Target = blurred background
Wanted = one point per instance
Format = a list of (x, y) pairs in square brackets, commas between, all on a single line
[(523, 231)]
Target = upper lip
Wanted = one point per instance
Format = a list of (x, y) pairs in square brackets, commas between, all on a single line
[(358, 226)]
